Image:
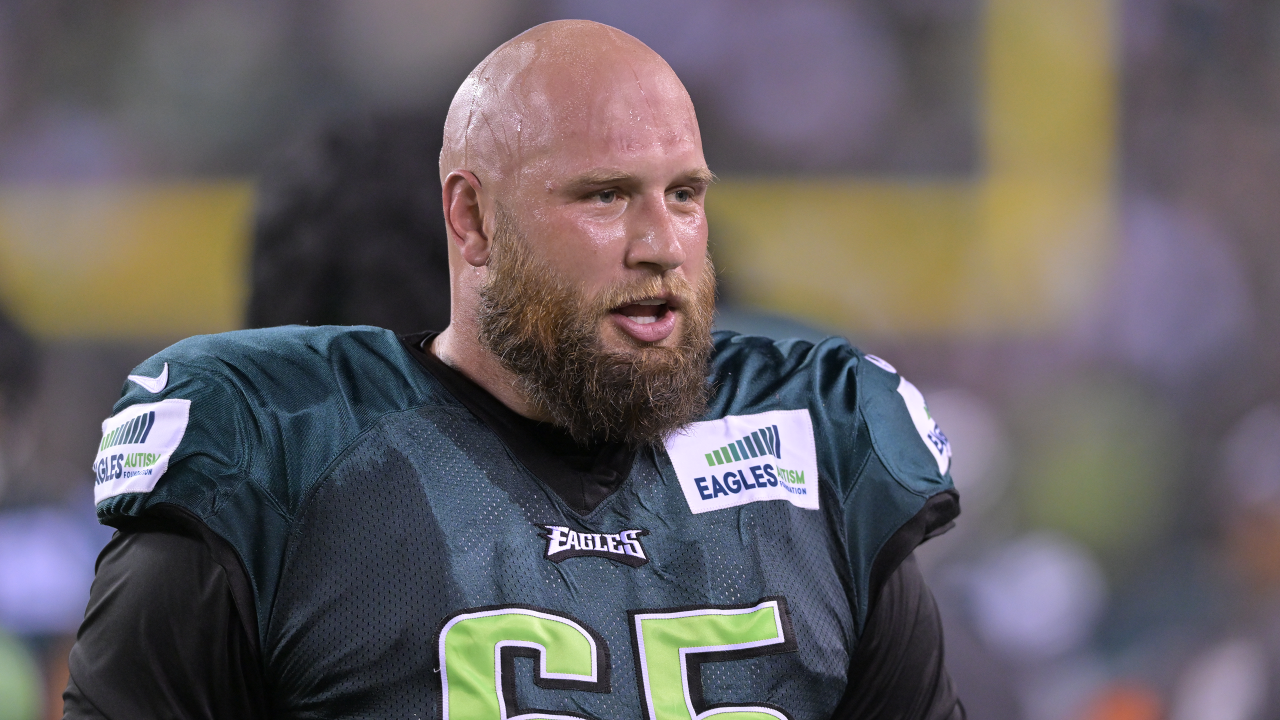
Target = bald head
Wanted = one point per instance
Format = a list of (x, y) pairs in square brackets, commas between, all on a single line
[(562, 84)]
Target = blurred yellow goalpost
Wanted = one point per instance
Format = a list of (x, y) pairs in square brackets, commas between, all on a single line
[(1021, 246)]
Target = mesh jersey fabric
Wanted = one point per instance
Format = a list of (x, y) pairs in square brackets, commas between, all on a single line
[(371, 509)]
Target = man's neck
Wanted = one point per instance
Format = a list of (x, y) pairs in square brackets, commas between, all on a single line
[(461, 350)]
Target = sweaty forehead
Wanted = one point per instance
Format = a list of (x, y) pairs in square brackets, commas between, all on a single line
[(587, 92)]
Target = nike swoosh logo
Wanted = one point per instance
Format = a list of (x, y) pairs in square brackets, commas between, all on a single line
[(155, 384)]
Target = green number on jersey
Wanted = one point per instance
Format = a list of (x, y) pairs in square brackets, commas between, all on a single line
[(672, 645), (477, 651)]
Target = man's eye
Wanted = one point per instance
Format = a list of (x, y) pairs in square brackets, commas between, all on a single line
[(683, 196), (607, 196)]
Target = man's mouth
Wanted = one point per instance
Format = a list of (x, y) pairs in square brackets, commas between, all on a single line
[(644, 311), (647, 320)]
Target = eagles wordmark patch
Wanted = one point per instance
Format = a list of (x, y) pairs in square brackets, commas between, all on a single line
[(741, 459), (937, 443), (136, 446), (929, 431), (623, 547)]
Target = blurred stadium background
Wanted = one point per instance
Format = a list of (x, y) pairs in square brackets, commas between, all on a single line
[(1058, 217)]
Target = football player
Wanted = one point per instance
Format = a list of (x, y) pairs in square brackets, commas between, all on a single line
[(574, 502)]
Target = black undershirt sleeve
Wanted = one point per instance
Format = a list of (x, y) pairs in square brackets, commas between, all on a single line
[(897, 670), (162, 637)]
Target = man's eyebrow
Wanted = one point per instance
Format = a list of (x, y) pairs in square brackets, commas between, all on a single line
[(599, 177), (592, 178), (700, 176)]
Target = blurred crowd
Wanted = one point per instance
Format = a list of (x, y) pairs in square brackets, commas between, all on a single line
[(1118, 556)]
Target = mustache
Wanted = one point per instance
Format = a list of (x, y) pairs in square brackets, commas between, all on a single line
[(674, 288)]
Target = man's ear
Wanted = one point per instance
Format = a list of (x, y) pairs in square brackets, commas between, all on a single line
[(464, 216)]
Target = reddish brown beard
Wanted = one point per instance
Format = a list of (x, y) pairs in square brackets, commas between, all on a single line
[(547, 334)]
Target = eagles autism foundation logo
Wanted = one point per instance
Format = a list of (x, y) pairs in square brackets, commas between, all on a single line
[(136, 446), (762, 443), (747, 458)]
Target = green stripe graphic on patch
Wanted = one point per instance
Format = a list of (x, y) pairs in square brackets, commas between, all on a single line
[(763, 441)]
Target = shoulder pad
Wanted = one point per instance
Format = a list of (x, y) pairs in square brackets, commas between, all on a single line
[(882, 464), (847, 395), (259, 411)]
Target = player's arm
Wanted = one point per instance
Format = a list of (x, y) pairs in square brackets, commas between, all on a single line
[(897, 670), (162, 636)]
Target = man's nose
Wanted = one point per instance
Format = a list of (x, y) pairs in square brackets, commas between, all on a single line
[(653, 237)]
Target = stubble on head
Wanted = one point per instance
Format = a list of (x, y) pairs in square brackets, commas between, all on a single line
[(546, 332)]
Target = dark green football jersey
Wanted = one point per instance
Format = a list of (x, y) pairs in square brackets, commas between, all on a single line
[(404, 563)]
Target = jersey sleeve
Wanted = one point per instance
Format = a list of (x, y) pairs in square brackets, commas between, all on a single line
[(241, 423), (902, 431), (882, 463), (179, 434), (891, 464), (831, 412)]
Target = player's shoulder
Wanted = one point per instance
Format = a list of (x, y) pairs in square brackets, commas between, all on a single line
[(825, 427), (272, 358), (198, 419), (857, 405), (270, 372), (741, 363)]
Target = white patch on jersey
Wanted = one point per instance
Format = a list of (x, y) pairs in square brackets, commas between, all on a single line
[(742, 459), (925, 425), (880, 363), (136, 447)]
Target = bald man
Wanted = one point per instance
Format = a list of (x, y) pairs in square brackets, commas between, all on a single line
[(575, 502)]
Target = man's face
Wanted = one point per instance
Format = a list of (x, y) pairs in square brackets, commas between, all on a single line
[(599, 295), (609, 195)]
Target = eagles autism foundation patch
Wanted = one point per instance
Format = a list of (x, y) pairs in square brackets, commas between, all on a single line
[(136, 447), (741, 459)]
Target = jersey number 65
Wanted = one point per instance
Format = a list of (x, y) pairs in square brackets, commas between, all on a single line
[(478, 650)]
